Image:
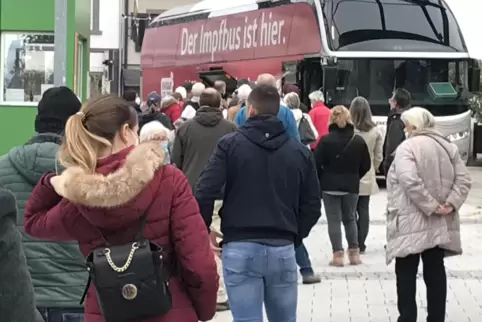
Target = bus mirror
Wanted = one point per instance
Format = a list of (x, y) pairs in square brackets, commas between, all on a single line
[(474, 79)]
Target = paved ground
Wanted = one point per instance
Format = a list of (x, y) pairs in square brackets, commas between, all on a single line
[(367, 293)]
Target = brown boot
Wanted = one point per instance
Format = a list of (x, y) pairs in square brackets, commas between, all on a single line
[(338, 259), (354, 256)]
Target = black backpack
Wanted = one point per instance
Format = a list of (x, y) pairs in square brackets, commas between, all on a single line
[(307, 136), (131, 280)]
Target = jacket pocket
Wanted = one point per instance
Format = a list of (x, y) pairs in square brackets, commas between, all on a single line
[(392, 224)]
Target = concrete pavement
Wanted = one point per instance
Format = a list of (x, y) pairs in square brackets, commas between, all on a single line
[(367, 293)]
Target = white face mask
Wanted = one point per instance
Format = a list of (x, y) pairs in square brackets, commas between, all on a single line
[(138, 100)]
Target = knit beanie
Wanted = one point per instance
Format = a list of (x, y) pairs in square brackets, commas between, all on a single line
[(55, 107)]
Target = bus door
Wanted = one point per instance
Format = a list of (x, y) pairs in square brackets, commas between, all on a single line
[(209, 77), (309, 78)]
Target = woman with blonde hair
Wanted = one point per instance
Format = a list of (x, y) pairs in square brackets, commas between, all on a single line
[(365, 127), (427, 183), (115, 198), (342, 159)]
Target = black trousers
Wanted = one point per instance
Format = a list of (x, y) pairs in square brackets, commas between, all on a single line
[(435, 280)]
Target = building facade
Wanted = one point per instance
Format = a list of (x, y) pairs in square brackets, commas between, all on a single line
[(27, 60), (105, 44), (137, 15)]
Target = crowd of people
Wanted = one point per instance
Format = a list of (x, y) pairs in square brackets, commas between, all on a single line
[(199, 201)]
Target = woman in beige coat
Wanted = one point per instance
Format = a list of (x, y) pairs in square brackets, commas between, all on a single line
[(361, 116), (427, 184)]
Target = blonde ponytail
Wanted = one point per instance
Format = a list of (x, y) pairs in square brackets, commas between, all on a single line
[(90, 133), (80, 147)]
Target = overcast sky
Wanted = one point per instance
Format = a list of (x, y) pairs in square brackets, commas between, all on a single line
[(469, 16)]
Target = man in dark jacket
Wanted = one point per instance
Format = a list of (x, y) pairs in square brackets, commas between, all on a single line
[(195, 141), (17, 302), (153, 112), (57, 269), (271, 202), (399, 103)]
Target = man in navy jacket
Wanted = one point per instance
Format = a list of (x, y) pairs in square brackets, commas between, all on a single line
[(286, 116), (271, 202)]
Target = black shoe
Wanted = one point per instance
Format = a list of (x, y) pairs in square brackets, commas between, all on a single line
[(311, 279), (221, 307), (363, 250)]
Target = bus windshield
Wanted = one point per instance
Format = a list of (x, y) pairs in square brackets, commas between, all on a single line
[(392, 25), (376, 79)]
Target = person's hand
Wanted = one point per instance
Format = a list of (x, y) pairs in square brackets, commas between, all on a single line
[(444, 210), (213, 239)]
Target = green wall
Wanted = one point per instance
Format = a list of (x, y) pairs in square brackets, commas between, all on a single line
[(29, 15), (17, 122)]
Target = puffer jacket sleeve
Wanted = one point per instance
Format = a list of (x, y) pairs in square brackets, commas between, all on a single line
[(49, 216), (406, 171), (16, 292), (193, 249), (462, 183)]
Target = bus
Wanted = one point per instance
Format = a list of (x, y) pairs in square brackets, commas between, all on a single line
[(346, 48)]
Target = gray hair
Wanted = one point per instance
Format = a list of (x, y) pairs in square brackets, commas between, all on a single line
[(317, 96), (243, 93), (153, 130), (181, 90), (361, 114), (419, 118), (198, 89), (292, 100), (266, 79)]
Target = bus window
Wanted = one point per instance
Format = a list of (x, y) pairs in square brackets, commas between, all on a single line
[(375, 79), (392, 25)]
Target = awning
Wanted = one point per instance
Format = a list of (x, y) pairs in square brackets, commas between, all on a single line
[(131, 77)]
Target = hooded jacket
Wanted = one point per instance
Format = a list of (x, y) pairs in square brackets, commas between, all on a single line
[(57, 269), (17, 302), (196, 139), (78, 206), (271, 187)]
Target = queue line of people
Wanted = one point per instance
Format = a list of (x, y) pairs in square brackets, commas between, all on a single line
[(104, 180)]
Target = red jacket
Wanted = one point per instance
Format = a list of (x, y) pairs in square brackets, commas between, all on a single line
[(114, 204), (320, 116), (173, 111)]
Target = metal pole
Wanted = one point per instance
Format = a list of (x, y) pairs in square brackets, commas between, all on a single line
[(60, 40), (121, 47)]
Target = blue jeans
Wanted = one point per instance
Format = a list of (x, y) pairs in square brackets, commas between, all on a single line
[(255, 274), (303, 260), (62, 314)]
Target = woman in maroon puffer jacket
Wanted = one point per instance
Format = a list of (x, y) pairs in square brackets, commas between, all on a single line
[(109, 182)]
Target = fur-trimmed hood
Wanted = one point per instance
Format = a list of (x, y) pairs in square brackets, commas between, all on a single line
[(117, 188)]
